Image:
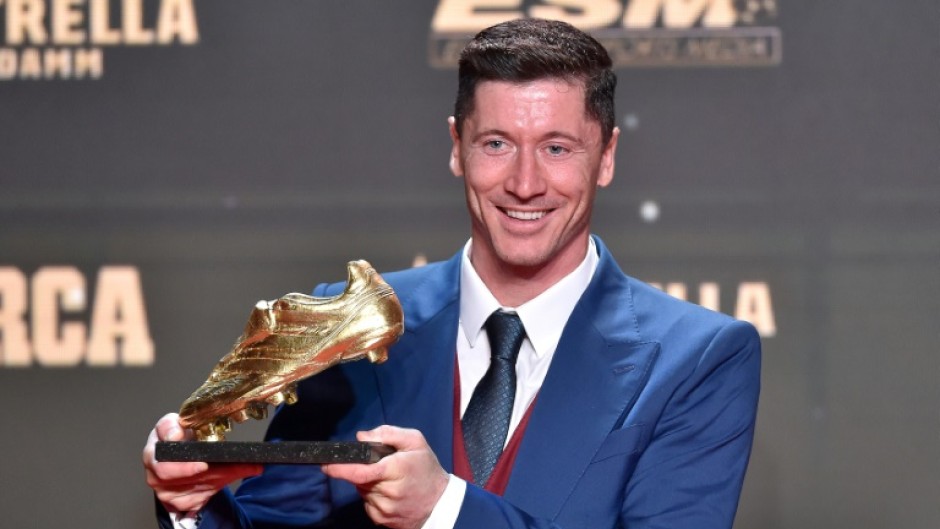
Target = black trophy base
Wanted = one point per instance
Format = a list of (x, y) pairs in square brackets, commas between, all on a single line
[(286, 452)]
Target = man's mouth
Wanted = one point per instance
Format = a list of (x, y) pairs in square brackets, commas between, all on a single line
[(525, 215)]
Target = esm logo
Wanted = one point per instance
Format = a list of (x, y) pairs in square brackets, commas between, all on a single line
[(635, 32)]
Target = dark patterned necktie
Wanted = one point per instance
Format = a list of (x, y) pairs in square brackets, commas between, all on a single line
[(486, 421)]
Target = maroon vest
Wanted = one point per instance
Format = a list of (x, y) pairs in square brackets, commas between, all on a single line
[(501, 472)]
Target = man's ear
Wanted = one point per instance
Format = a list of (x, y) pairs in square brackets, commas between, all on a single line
[(606, 170), (456, 166)]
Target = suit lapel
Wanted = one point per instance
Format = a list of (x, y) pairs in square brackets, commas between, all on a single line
[(424, 401), (599, 368)]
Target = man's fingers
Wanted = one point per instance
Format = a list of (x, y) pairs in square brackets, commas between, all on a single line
[(355, 473), (388, 469), (185, 500), (164, 473), (402, 489), (176, 471), (198, 472), (182, 491), (186, 486), (168, 428), (227, 472), (402, 439), (217, 475)]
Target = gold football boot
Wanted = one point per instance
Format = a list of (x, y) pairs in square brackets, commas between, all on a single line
[(292, 338)]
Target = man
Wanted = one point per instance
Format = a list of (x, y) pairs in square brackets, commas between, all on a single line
[(631, 409)]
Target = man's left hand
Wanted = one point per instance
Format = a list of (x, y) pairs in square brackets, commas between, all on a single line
[(401, 490)]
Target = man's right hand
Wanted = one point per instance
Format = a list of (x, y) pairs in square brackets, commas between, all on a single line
[(187, 487)]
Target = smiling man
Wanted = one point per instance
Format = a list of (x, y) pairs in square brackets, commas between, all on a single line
[(536, 384), (531, 157)]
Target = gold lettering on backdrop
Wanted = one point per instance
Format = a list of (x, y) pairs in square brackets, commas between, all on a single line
[(14, 343), (177, 19), (89, 63), (30, 64), (636, 32), (51, 63), (473, 15), (77, 22), (133, 22), (585, 14), (679, 13), (8, 61), (24, 21), (100, 24), (119, 316), (57, 63), (754, 306), (58, 290), (66, 17), (753, 302), (67, 24), (117, 333)]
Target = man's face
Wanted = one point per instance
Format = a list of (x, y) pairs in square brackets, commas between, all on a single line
[(531, 160)]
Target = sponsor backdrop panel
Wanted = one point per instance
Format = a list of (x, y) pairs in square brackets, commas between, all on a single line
[(166, 163)]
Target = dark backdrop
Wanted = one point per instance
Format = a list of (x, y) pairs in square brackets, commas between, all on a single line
[(293, 136)]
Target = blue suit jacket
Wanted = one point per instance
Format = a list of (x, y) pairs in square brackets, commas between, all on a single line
[(645, 418)]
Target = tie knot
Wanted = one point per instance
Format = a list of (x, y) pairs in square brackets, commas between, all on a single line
[(506, 333)]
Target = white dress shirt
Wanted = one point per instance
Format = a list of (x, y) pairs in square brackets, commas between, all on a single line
[(544, 317)]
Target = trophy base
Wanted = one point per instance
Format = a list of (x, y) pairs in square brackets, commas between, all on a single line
[(286, 452)]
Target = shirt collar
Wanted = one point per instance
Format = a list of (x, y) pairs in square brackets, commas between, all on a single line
[(544, 316)]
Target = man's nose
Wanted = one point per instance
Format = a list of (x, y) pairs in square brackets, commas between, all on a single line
[(528, 178)]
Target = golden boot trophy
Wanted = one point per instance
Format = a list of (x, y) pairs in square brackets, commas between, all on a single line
[(288, 340)]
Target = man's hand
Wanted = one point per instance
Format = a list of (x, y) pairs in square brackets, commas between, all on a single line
[(400, 490), (186, 487)]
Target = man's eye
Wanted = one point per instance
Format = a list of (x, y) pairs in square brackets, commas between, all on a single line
[(495, 144), (556, 150)]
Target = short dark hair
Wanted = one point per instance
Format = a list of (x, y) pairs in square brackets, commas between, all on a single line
[(530, 49)]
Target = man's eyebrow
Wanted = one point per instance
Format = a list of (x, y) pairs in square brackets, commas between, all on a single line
[(562, 135), (548, 136), (488, 132)]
